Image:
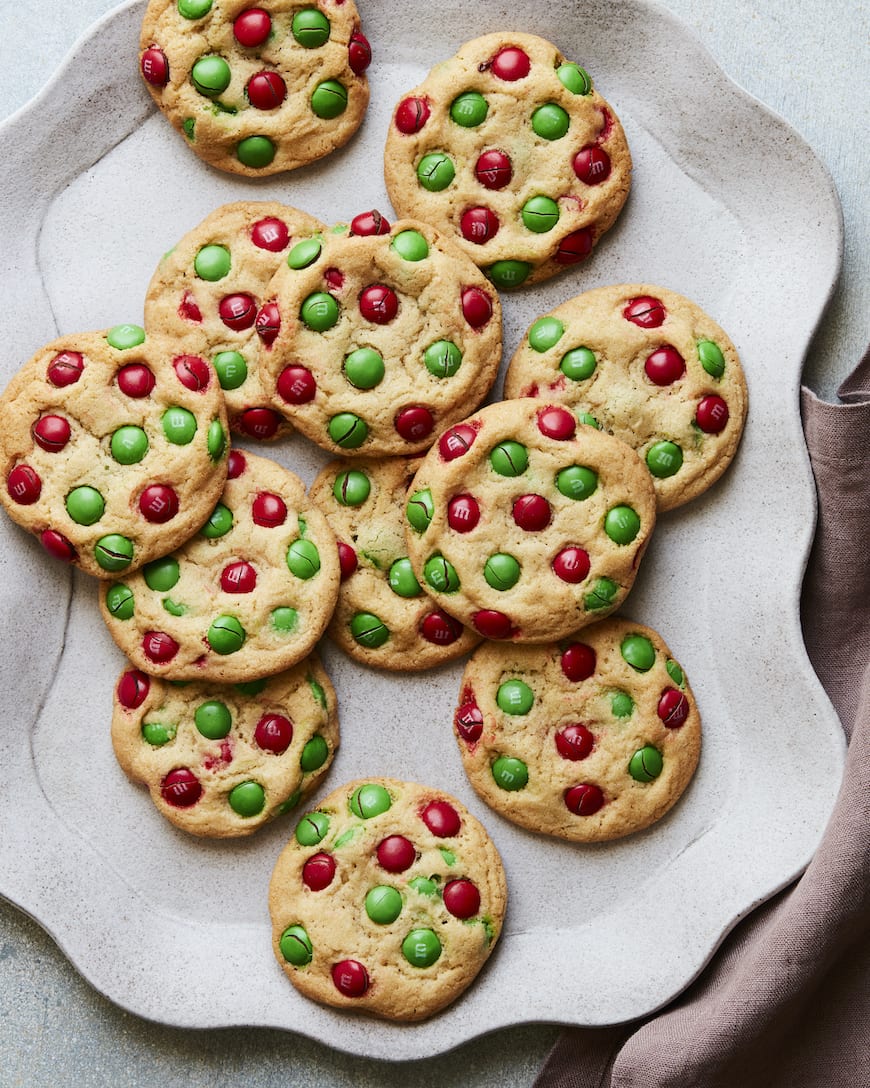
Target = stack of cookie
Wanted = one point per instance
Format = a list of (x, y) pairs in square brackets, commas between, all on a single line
[(439, 528)]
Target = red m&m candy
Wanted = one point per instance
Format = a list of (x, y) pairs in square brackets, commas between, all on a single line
[(511, 64), (463, 513), (154, 66), (181, 788), (57, 545), (370, 223), (350, 978), (266, 90), (158, 504), (252, 27), (457, 441), (359, 52), (238, 312), (193, 372), (260, 423), (478, 225), (24, 485), (135, 380), (665, 365), (415, 423), (378, 303), (133, 688), (51, 433), (441, 818), (574, 247), (159, 647), (556, 422), (585, 799), (318, 871), (296, 385), (476, 306), (440, 629), (461, 898), (411, 115), (269, 510), (396, 853), (645, 311), (712, 414), (66, 368), (578, 661), (273, 733), (271, 234)]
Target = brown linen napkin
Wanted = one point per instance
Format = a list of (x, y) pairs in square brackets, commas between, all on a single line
[(785, 1002)]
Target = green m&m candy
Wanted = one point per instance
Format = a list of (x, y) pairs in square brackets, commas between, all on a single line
[(255, 152), (545, 333), (212, 262), (211, 76), (440, 575), (124, 337), (711, 358), (576, 482), (194, 9), (501, 571), (550, 121), (310, 28), (129, 444), (226, 635), (120, 602), (304, 253), (314, 754), (578, 364), (312, 828), (435, 171), (284, 619), (85, 505), (510, 774), (410, 245), (664, 459), (638, 651), (329, 100), (179, 426), (420, 510), (509, 458), (508, 273), (364, 368), (347, 430), (603, 592), (370, 799), (232, 370), (421, 948), (247, 799), (216, 440), (622, 524), (403, 581), (219, 523), (675, 672), (442, 359), (621, 704), (383, 904), (469, 109), (319, 311), (574, 78), (369, 630), (303, 559), (114, 552), (157, 734), (296, 947), (540, 214), (162, 574), (213, 719), (515, 697), (646, 764), (351, 488)]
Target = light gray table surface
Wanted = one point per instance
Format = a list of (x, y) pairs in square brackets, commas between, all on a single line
[(806, 61)]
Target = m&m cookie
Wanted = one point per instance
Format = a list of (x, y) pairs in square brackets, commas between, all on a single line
[(248, 596), (648, 366), (387, 336), (526, 524), (587, 739), (210, 292), (258, 88), (113, 447), (510, 149), (389, 899), (221, 760), (383, 618)]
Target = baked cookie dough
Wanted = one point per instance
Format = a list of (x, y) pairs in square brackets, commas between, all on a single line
[(257, 88), (383, 617), (389, 900), (385, 338), (526, 524), (222, 760), (648, 366), (510, 149), (247, 597), (113, 448), (210, 292), (589, 739)]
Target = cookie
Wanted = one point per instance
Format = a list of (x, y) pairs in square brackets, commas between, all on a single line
[(385, 338), (383, 617), (648, 366), (257, 90), (222, 760), (247, 597), (527, 525), (112, 448), (589, 739), (210, 293), (388, 900), (510, 149)]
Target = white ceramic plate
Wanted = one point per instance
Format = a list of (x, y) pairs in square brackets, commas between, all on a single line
[(730, 208)]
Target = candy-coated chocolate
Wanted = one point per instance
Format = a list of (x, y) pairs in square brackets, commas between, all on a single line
[(252, 27), (414, 423), (420, 510), (574, 78), (592, 165), (665, 365), (296, 385), (370, 799), (65, 368), (646, 764), (572, 564), (585, 799), (711, 358), (238, 311), (664, 459), (51, 433), (578, 364), (159, 647), (350, 978), (461, 898), (193, 372), (545, 333), (273, 733), (212, 262), (440, 574), (577, 482), (712, 414), (675, 672), (284, 619), (442, 359), (161, 575), (213, 719), (493, 169), (673, 708), (364, 368), (347, 560), (303, 559), (120, 602), (510, 774), (266, 90), (463, 513), (129, 445), (247, 799), (211, 76), (442, 819), (255, 152), (421, 947), (320, 311), (645, 311), (310, 28), (232, 370), (226, 635), (476, 306), (395, 853), (469, 109), (194, 9), (511, 64), (491, 623), (578, 661), (532, 513), (268, 510), (24, 485), (318, 871), (368, 224), (270, 233), (351, 488), (556, 422), (602, 594), (296, 947), (575, 247), (57, 545), (456, 441), (378, 303), (268, 323), (440, 629), (124, 337), (435, 171), (550, 121), (622, 524), (383, 904), (478, 224), (329, 100), (410, 245), (502, 571), (515, 697), (312, 828), (179, 426), (314, 754), (469, 722), (402, 580), (508, 273), (135, 380), (133, 688), (574, 742), (219, 523), (638, 651), (181, 788), (540, 214), (411, 115), (238, 577), (347, 430), (154, 67), (359, 52), (621, 704), (114, 552), (509, 458)]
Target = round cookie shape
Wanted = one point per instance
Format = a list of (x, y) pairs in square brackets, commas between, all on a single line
[(604, 743), (383, 618), (649, 366), (386, 338), (109, 455), (257, 90), (510, 149), (210, 292), (526, 524), (219, 761), (247, 597), (389, 899)]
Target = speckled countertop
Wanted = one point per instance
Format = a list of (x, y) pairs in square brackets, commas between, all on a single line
[(54, 1028)]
